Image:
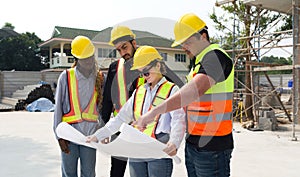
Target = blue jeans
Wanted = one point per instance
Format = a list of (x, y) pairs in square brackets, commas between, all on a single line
[(202, 163), (87, 158), (151, 168)]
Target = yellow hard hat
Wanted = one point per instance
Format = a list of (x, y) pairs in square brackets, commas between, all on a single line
[(82, 47), (143, 56), (186, 26), (119, 32)]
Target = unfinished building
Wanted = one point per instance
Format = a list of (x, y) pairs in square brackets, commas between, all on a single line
[(256, 100)]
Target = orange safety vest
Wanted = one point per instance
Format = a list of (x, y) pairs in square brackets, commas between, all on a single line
[(162, 93), (121, 82), (211, 114), (75, 114)]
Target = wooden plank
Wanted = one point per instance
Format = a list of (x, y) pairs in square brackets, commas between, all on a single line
[(276, 68), (255, 63)]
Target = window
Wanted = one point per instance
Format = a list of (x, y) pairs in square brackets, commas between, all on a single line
[(180, 58), (57, 60), (52, 61), (71, 60), (164, 56), (106, 53), (112, 53)]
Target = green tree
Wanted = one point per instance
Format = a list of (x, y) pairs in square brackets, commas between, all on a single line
[(240, 20), (21, 53), (8, 25), (278, 60)]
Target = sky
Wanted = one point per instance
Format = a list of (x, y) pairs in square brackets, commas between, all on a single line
[(155, 16), (41, 17)]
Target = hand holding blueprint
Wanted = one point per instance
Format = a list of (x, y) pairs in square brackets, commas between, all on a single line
[(130, 143)]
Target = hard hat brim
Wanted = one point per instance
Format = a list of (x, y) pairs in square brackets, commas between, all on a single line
[(175, 44), (126, 38), (135, 68)]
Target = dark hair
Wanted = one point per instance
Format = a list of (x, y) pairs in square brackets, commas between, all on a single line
[(204, 30), (99, 85), (75, 62), (198, 34)]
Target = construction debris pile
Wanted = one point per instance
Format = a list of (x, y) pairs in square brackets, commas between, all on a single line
[(44, 91), (271, 110)]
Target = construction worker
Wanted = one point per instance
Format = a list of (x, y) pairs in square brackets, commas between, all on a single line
[(78, 103), (169, 128), (208, 97), (121, 82)]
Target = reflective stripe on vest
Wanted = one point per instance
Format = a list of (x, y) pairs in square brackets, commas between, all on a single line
[(162, 93), (121, 82), (75, 114), (210, 115)]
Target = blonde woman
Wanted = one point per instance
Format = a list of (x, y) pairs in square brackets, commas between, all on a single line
[(168, 128)]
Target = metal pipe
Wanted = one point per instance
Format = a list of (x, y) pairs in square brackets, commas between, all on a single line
[(295, 23)]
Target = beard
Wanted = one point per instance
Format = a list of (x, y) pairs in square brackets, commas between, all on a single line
[(126, 56)]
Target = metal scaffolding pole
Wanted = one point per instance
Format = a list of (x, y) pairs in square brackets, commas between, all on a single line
[(295, 13), (266, 40)]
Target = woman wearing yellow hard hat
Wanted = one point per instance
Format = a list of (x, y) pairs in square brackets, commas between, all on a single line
[(121, 82), (168, 128), (208, 100), (78, 102)]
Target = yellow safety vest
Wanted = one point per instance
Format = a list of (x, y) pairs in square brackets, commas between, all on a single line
[(162, 93), (75, 114), (210, 115), (121, 82)]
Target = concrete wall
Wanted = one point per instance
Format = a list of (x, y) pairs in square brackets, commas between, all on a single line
[(278, 80), (11, 81)]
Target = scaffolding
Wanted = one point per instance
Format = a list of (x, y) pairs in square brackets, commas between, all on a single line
[(266, 41)]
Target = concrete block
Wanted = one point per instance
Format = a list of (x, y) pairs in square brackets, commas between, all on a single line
[(268, 121)]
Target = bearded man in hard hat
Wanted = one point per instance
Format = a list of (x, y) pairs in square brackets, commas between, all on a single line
[(169, 128), (121, 82), (78, 102), (208, 100)]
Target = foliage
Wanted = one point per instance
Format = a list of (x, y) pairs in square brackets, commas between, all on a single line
[(21, 53), (288, 23), (8, 25), (240, 20), (278, 60)]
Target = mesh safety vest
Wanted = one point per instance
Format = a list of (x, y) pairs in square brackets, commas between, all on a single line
[(210, 115), (121, 82), (162, 93), (75, 114)]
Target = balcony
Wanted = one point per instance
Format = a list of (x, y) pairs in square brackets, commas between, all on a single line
[(61, 61)]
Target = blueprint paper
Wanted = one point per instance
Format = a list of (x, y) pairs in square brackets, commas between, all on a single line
[(67, 132), (135, 144), (130, 143)]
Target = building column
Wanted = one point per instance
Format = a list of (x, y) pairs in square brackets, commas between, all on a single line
[(50, 56), (62, 48)]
